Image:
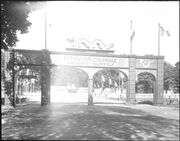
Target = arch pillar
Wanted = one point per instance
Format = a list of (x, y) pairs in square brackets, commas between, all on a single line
[(159, 95), (90, 72), (45, 78), (130, 97)]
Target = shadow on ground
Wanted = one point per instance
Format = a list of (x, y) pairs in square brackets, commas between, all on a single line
[(145, 102), (79, 121)]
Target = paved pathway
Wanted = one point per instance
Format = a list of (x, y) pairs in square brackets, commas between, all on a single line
[(79, 121)]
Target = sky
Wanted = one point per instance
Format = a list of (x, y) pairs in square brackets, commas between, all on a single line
[(108, 21)]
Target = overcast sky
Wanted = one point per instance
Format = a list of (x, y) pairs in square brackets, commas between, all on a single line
[(108, 21)]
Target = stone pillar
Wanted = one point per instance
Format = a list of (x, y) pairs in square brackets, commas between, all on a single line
[(90, 72), (130, 97), (45, 78), (90, 91), (159, 95)]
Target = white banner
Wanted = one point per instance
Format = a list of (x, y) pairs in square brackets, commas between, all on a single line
[(90, 61)]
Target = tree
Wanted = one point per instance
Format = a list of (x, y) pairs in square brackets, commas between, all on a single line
[(14, 17), (169, 76), (177, 77), (145, 83)]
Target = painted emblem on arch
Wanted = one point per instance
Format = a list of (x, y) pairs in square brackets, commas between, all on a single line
[(145, 63), (82, 43)]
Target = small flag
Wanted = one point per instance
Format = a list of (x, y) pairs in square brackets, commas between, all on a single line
[(122, 82), (132, 36), (168, 33), (115, 83), (110, 81), (162, 31), (27, 72), (103, 79)]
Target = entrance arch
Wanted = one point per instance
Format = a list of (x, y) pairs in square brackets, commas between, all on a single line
[(91, 61)]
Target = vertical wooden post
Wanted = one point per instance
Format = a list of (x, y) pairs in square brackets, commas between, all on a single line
[(13, 81), (41, 78)]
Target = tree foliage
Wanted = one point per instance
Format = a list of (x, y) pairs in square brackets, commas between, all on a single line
[(169, 76), (177, 77), (14, 17), (144, 83)]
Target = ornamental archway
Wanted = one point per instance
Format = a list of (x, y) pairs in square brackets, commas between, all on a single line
[(92, 61)]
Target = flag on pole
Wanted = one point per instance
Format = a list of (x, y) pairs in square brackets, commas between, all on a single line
[(132, 35), (132, 32), (103, 79), (110, 81), (27, 72), (162, 31), (121, 75)]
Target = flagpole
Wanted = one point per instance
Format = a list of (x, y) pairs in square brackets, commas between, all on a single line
[(158, 39), (158, 55), (45, 30), (130, 39)]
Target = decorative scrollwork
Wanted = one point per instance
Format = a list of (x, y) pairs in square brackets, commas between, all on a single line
[(82, 43)]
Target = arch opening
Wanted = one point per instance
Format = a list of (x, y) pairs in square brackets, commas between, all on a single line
[(145, 87), (28, 84), (110, 86), (68, 84)]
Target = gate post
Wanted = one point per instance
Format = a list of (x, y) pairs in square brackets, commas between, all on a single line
[(159, 97), (130, 97), (13, 80), (45, 78)]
